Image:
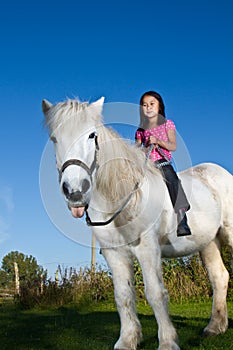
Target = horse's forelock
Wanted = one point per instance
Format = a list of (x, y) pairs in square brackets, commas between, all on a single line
[(74, 111)]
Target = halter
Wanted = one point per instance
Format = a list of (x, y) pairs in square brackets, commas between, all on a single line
[(78, 162)]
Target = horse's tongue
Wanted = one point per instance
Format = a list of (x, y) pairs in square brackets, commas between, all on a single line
[(77, 212)]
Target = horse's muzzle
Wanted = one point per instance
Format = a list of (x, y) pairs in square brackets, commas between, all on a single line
[(75, 196)]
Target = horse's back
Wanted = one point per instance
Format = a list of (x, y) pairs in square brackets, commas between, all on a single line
[(210, 187), (210, 168), (212, 175)]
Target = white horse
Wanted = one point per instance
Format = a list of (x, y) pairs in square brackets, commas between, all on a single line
[(129, 207)]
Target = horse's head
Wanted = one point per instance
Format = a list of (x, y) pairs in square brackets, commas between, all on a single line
[(73, 128)]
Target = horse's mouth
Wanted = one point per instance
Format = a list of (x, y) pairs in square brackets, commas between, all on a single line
[(77, 212)]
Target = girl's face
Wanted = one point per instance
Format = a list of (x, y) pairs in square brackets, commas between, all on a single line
[(150, 106)]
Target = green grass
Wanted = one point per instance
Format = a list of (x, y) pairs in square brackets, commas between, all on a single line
[(97, 327)]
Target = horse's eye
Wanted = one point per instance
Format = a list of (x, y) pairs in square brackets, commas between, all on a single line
[(53, 139), (92, 135)]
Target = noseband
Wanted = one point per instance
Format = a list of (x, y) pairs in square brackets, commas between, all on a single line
[(78, 162)]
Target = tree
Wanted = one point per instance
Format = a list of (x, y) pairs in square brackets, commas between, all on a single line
[(30, 273), (3, 279)]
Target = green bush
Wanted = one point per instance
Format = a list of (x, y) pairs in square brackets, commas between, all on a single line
[(185, 279), (82, 287), (228, 261)]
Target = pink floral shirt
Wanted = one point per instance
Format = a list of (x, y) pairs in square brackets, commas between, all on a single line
[(160, 132)]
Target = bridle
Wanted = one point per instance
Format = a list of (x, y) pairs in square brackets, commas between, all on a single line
[(90, 170), (78, 162)]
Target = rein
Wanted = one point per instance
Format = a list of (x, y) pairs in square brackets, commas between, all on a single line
[(104, 223)]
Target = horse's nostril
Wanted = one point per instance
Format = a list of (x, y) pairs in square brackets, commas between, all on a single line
[(65, 189), (85, 186), (73, 195)]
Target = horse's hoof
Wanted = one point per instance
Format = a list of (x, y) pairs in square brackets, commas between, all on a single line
[(171, 346), (208, 333)]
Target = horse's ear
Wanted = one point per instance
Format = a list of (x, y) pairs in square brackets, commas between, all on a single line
[(98, 105), (46, 105)]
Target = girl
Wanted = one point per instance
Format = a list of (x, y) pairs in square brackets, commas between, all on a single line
[(155, 129)]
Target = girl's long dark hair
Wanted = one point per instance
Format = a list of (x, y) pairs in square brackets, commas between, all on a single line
[(162, 116)]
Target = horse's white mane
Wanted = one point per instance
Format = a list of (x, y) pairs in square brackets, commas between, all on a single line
[(120, 165), (70, 110)]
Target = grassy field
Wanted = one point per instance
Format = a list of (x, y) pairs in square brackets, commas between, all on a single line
[(97, 327)]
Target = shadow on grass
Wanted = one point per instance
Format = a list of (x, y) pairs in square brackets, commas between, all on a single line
[(67, 328), (61, 329)]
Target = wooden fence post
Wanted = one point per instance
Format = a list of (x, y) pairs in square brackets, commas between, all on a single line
[(17, 287), (93, 253), (41, 284), (56, 279)]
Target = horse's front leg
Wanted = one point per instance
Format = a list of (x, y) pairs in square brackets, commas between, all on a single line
[(149, 257), (120, 262)]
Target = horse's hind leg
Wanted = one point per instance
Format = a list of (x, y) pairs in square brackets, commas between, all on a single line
[(219, 277), (121, 265)]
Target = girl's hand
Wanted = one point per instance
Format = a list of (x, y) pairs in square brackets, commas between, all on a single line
[(152, 139)]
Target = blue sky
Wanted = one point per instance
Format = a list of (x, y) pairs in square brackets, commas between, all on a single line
[(116, 49)]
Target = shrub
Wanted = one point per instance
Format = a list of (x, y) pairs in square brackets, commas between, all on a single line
[(82, 287), (185, 279)]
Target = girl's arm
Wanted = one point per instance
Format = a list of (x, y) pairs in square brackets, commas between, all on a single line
[(138, 142), (170, 145), (138, 138)]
